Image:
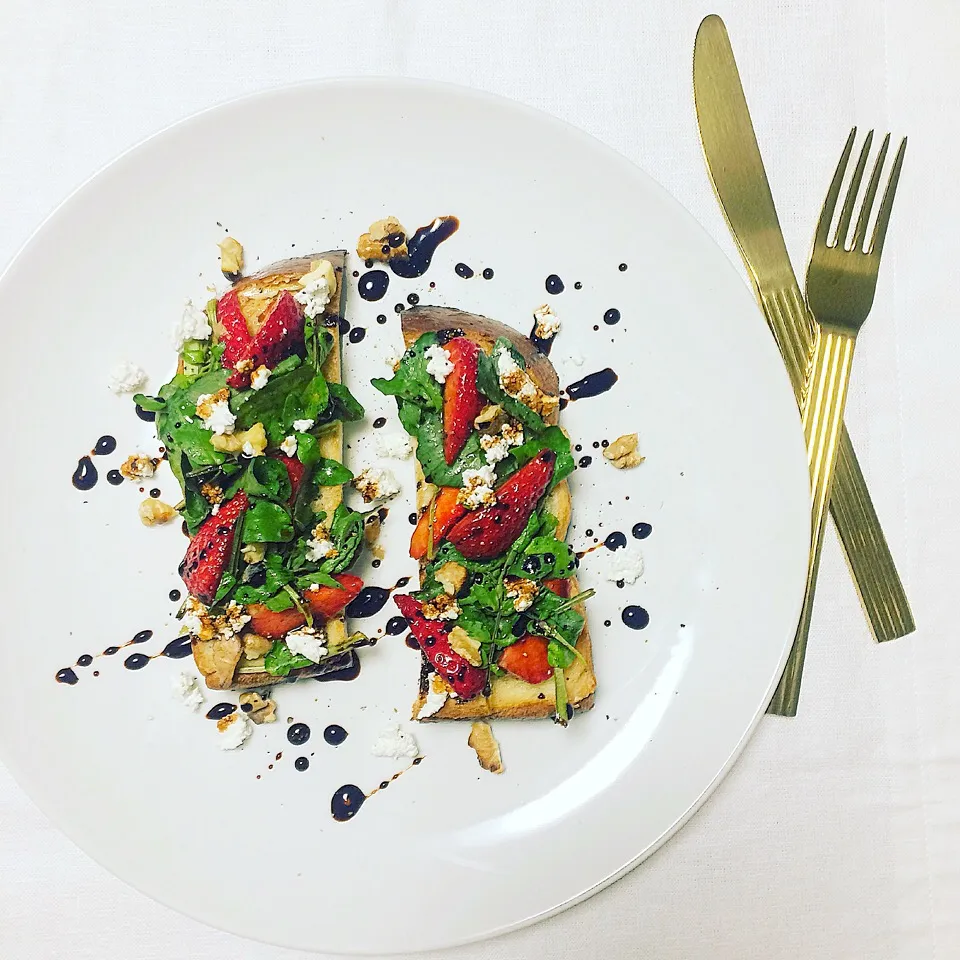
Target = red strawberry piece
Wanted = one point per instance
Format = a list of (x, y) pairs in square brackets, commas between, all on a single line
[(527, 659), (466, 680), (274, 624), (295, 471), (446, 512), (561, 587), (324, 602), (461, 398), (202, 567), (236, 336), (280, 335), (490, 531)]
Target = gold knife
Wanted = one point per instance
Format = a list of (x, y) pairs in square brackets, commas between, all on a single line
[(740, 182)]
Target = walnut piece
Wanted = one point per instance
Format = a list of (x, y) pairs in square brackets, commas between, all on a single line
[(521, 591), (261, 711), (153, 512), (385, 240), (255, 646), (212, 493), (138, 466), (441, 607), (216, 660), (487, 415), (622, 453), (468, 648), (451, 576), (231, 258), (254, 552), (252, 442), (485, 744), (425, 494)]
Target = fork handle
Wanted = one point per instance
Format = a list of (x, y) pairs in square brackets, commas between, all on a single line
[(822, 422)]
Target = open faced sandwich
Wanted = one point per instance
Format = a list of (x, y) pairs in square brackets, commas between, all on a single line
[(498, 616), (252, 428)]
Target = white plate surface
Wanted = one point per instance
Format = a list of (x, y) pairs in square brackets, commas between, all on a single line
[(448, 853)]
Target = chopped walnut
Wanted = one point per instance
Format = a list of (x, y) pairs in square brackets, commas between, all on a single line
[(488, 415), (212, 493), (451, 576), (244, 366), (254, 552), (216, 660), (485, 744), (260, 710), (385, 240), (468, 648), (153, 512), (521, 591), (371, 529), (622, 453), (231, 258), (255, 646), (252, 442), (138, 466), (519, 385), (441, 607)]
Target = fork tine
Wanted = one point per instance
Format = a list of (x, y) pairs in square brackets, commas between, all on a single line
[(830, 203), (846, 214), (861, 232), (886, 205)]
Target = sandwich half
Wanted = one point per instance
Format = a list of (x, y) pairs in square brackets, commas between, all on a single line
[(499, 616), (252, 428)]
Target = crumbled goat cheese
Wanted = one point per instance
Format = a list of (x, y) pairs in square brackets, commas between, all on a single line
[(375, 483), (319, 286), (396, 744), (506, 363), (441, 607), (439, 365), (308, 643), (320, 547), (289, 446), (521, 591), (259, 377), (187, 690), (138, 466), (477, 489), (546, 322), (496, 446), (625, 564), (436, 697), (302, 426), (214, 410), (196, 620), (395, 446), (192, 325), (126, 377), (234, 730)]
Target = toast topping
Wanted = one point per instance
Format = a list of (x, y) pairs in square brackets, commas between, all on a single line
[(488, 415), (212, 493), (153, 512), (289, 446), (439, 365), (519, 385), (231, 258), (214, 410), (477, 489), (255, 646), (546, 322), (320, 546), (258, 709), (375, 483), (192, 325), (251, 443), (308, 642), (622, 453), (441, 607), (468, 648), (138, 466), (451, 576), (259, 377), (319, 287), (437, 695), (496, 446), (234, 730), (521, 591)]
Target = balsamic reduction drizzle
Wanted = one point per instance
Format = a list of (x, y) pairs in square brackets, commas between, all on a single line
[(373, 285), (422, 246), (636, 618), (592, 385), (335, 734), (85, 476)]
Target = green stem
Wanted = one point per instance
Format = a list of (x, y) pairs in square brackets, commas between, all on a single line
[(561, 687)]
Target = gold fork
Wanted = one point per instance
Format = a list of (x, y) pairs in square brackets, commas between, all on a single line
[(841, 282)]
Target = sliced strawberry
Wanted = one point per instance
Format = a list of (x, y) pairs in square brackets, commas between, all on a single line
[(466, 680), (295, 471), (527, 659), (236, 336), (329, 601), (280, 335), (446, 512), (490, 531), (324, 602), (461, 398), (561, 587), (202, 567)]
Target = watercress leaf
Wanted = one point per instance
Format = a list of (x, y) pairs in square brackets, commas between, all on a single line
[(559, 656), (553, 558), (550, 438), (411, 381), (146, 402), (308, 448), (343, 406), (181, 431), (331, 473), (279, 602), (566, 622), (266, 477), (319, 578), (267, 406), (267, 522), (280, 661), (195, 510), (409, 414), (227, 582), (478, 626), (260, 581), (346, 534), (430, 453), (488, 380)]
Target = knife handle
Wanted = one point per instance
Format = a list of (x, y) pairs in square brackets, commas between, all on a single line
[(868, 554)]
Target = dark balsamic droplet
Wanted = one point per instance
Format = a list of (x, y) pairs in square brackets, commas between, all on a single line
[(592, 385), (335, 734), (298, 734), (636, 618), (178, 648), (155, 493), (357, 334), (148, 415), (67, 675), (413, 519), (615, 540), (105, 445), (114, 478), (585, 461), (611, 317), (110, 651), (412, 299), (136, 661), (462, 270), (221, 710), (411, 642), (606, 623), (578, 447), (373, 285), (174, 595), (422, 246), (343, 325), (85, 476), (487, 273), (578, 286), (346, 802), (398, 308), (396, 626), (375, 562), (347, 668), (379, 422), (381, 318), (642, 530), (142, 637), (301, 763), (85, 660), (622, 267), (368, 602), (554, 284)]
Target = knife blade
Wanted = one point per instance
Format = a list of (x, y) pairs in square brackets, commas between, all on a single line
[(739, 179)]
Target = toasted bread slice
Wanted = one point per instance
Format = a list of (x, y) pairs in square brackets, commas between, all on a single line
[(257, 292), (508, 696)]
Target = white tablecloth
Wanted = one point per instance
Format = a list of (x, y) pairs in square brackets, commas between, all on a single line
[(837, 835)]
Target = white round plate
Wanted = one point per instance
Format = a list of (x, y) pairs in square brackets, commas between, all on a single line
[(448, 853)]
